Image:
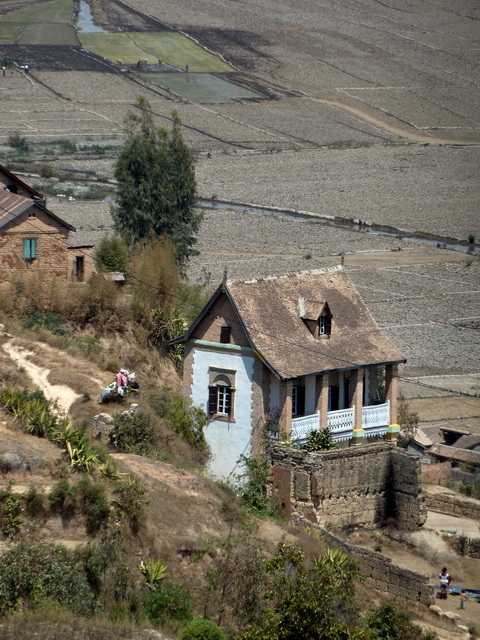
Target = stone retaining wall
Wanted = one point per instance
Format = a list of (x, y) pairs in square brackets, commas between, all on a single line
[(452, 504), (384, 576), (362, 485)]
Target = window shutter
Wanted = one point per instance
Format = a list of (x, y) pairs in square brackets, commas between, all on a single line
[(229, 401), (33, 248), (328, 324), (26, 249), (212, 400)]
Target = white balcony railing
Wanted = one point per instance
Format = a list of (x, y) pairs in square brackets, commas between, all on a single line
[(375, 421)]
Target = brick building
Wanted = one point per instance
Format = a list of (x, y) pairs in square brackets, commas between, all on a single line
[(299, 352), (35, 240)]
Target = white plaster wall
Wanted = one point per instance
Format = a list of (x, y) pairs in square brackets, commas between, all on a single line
[(227, 440)]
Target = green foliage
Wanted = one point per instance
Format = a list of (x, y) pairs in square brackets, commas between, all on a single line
[(34, 503), (94, 504), (32, 410), (18, 142), (319, 441), (154, 571), (130, 501), (307, 600), (387, 623), (45, 320), (10, 513), (203, 629), (170, 601), (67, 146), (156, 184), (252, 484), (84, 455), (133, 432), (63, 499), (111, 254), (30, 574), (182, 417)]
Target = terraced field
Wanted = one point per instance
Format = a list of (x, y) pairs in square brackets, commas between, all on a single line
[(44, 23)]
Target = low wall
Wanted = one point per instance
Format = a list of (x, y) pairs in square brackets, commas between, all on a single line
[(445, 501), (363, 485)]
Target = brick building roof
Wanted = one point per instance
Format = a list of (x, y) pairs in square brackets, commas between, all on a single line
[(12, 205), (270, 311)]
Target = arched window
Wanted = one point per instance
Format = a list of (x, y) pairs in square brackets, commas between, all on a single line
[(220, 397)]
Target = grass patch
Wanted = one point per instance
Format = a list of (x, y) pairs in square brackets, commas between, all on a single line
[(200, 87), (170, 48), (53, 11), (48, 33)]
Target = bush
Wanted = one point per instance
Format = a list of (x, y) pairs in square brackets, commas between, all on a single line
[(32, 573), (252, 484), (203, 629), (34, 503), (45, 320), (32, 410), (111, 254), (130, 501), (10, 513), (46, 170), (170, 601), (63, 499), (94, 505), (133, 432), (18, 142), (184, 419), (388, 623), (319, 441)]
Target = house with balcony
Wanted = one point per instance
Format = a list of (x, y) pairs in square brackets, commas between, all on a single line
[(289, 354)]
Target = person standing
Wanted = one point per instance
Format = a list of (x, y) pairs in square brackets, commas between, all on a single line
[(445, 580)]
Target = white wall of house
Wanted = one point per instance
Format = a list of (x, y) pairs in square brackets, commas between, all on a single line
[(227, 440)]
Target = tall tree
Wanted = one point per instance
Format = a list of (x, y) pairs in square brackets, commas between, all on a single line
[(156, 184)]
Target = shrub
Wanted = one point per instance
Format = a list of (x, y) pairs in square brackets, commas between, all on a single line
[(45, 320), (34, 503), (319, 441), (388, 623), (18, 142), (130, 501), (46, 170), (32, 410), (94, 504), (252, 484), (10, 513), (111, 254), (203, 629), (154, 571), (183, 418), (170, 601), (32, 573), (63, 499), (67, 146), (133, 432)]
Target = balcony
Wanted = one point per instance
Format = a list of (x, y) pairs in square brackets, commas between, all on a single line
[(375, 421)]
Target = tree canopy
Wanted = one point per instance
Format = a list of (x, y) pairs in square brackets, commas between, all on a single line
[(156, 184)]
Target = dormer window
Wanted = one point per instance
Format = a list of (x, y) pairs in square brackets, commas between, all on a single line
[(325, 324)]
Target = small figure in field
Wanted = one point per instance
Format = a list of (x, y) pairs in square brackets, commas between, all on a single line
[(445, 581), (463, 599), (122, 382)]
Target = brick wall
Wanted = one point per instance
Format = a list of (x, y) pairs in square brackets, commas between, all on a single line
[(363, 485), (88, 254), (221, 314), (52, 260)]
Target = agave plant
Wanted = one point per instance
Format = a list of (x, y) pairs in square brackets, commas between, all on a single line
[(154, 571)]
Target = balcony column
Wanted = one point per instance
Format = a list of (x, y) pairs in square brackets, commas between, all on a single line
[(322, 403), (358, 433), (392, 389), (285, 422)]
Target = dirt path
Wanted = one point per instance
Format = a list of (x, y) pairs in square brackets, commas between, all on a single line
[(62, 395)]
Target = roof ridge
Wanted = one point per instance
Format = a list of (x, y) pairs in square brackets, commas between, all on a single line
[(291, 274)]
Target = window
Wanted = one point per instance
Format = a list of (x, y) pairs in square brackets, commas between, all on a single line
[(79, 268), (298, 400), (225, 334), (220, 400), (325, 324), (221, 392), (30, 248)]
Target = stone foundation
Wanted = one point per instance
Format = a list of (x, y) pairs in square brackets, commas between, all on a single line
[(365, 485)]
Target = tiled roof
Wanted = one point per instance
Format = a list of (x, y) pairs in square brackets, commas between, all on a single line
[(455, 453), (91, 221), (14, 178), (269, 311), (468, 442), (12, 205)]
